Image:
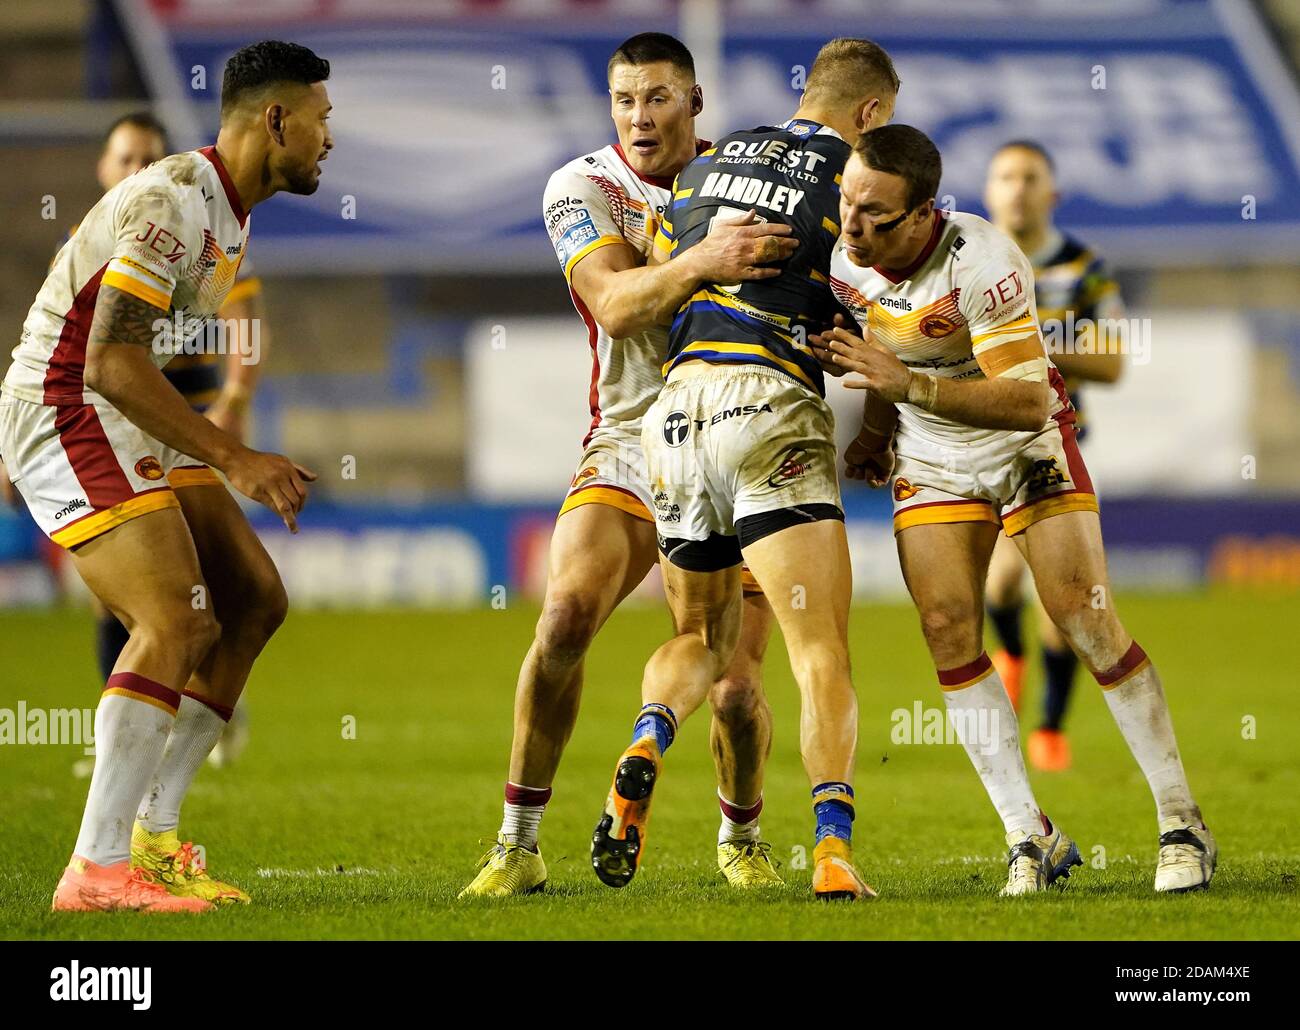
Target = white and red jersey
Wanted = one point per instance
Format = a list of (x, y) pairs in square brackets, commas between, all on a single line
[(964, 310), (591, 202), (173, 234)]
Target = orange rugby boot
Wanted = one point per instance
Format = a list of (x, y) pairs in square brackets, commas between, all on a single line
[(834, 878), (1011, 671), (88, 887), (619, 839), (1049, 750)]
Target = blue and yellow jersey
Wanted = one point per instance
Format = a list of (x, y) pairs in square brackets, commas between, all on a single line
[(788, 173), (1071, 284)]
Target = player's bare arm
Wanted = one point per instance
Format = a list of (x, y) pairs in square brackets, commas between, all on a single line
[(1092, 368), (994, 403), (627, 297), (119, 368)]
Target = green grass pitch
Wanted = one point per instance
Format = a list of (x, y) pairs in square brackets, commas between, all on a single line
[(372, 837)]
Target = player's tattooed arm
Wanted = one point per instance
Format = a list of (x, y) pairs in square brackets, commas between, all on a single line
[(121, 317), (120, 367), (128, 379)]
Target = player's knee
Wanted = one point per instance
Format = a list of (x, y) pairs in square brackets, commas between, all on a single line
[(951, 625), (822, 667), (181, 628), (567, 625), (266, 603), (737, 700)]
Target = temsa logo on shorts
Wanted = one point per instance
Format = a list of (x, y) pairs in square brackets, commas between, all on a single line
[(794, 466), (736, 412), (149, 467), (903, 489), (70, 507), (677, 427), (585, 474)]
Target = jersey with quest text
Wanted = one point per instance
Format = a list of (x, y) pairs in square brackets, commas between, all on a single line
[(788, 173), (964, 309), (173, 235), (591, 202)]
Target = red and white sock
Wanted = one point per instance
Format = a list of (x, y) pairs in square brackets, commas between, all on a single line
[(199, 725), (981, 714), (522, 818), (739, 825), (132, 723), (1137, 702)]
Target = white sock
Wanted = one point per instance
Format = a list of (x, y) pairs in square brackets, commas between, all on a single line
[(981, 714), (522, 814), (735, 832), (194, 734), (1138, 704), (130, 737)]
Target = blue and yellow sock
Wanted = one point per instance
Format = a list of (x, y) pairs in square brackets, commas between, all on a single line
[(833, 805), (656, 721)]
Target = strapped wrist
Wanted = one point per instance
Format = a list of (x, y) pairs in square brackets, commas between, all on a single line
[(923, 390)]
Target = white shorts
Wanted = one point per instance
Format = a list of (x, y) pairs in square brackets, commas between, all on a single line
[(1012, 480), (84, 469), (612, 472), (733, 442)]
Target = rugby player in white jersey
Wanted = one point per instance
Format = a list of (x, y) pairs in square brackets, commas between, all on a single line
[(1074, 292), (92, 433), (602, 211), (985, 443), (219, 386)]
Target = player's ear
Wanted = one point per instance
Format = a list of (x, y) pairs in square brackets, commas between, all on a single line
[(863, 120), (697, 100), (275, 123)]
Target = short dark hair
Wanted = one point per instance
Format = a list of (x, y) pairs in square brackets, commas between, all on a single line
[(649, 47), (906, 152), (258, 65), (1031, 145), (847, 70), (140, 120)]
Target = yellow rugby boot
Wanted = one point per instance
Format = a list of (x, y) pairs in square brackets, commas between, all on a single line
[(507, 869), (746, 864), (834, 878), (619, 839), (179, 868)]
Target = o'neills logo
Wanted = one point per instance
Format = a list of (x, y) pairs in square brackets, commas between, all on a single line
[(149, 468), (108, 983), (903, 489)]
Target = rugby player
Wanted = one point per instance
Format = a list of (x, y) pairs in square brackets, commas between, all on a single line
[(602, 211), (1073, 290), (986, 442), (135, 141), (94, 437), (740, 451)]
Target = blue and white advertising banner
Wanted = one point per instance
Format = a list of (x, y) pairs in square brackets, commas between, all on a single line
[(1174, 124)]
